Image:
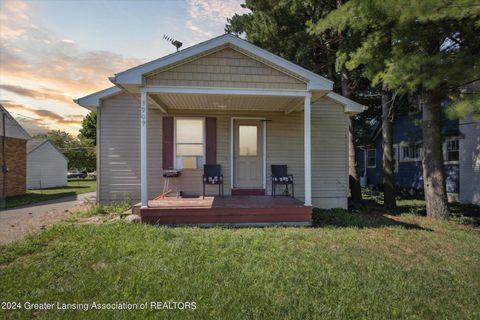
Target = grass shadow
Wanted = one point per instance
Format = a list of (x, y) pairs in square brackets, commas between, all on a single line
[(339, 218)]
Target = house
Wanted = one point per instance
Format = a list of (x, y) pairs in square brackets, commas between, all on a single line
[(469, 161), (13, 155), (224, 101), (460, 153), (46, 165)]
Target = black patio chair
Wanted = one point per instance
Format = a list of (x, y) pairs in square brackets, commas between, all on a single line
[(212, 174), (280, 176)]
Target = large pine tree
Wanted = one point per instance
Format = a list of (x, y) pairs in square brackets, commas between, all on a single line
[(425, 48)]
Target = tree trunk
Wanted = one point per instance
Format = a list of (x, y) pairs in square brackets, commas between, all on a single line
[(354, 181), (388, 164), (433, 174)]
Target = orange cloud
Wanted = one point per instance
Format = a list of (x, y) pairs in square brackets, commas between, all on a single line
[(29, 51), (40, 119), (45, 94)]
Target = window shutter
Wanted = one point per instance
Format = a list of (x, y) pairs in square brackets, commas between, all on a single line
[(211, 140), (167, 143)]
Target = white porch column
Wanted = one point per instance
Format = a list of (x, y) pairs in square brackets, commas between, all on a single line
[(143, 148), (307, 123)]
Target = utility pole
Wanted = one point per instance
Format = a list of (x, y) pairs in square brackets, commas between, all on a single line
[(4, 160)]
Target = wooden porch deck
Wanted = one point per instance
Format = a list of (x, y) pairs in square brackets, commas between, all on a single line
[(230, 210)]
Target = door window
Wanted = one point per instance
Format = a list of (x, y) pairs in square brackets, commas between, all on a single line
[(247, 140)]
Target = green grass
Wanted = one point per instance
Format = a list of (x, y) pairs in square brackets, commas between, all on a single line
[(75, 186), (348, 266), (462, 213)]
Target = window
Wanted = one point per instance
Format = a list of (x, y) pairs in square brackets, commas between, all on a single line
[(371, 158), (189, 143), (247, 140), (451, 149), (410, 153)]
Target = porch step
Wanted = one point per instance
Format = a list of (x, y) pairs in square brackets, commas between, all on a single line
[(248, 192)]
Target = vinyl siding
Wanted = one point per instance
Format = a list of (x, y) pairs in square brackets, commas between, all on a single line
[(329, 155), (46, 168), (120, 150), (226, 68), (470, 162)]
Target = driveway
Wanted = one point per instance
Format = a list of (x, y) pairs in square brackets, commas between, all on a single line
[(17, 222)]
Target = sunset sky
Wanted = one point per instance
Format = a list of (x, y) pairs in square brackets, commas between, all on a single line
[(54, 51)]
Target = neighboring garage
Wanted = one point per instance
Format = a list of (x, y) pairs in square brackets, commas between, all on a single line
[(46, 165)]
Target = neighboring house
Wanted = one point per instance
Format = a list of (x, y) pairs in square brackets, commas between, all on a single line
[(46, 165), (228, 102), (13, 154), (469, 161), (407, 148)]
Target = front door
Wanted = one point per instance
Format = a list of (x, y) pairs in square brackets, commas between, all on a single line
[(248, 154)]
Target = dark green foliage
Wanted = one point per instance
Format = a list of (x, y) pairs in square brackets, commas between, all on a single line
[(89, 127)]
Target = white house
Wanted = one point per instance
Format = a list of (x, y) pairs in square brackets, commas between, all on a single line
[(223, 102), (46, 165)]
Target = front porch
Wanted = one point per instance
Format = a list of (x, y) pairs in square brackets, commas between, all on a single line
[(231, 210)]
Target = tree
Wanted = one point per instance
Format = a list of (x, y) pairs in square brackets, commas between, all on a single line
[(282, 27), (431, 51), (80, 152), (89, 127)]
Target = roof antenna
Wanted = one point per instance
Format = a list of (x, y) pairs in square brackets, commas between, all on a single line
[(176, 43)]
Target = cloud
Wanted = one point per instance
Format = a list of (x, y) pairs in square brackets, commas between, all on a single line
[(215, 11), (43, 119), (30, 51), (45, 94), (209, 14), (197, 30)]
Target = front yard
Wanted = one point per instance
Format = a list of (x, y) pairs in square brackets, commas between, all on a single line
[(348, 266), (74, 187)]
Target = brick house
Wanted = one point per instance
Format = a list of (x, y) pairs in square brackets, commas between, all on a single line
[(13, 154)]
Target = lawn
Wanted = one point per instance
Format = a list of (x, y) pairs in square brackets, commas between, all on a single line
[(74, 187), (348, 266)]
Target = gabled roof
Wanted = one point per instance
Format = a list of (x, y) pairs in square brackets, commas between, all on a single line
[(12, 128), (92, 101), (33, 145), (134, 76)]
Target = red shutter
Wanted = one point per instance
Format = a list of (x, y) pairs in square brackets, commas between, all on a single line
[(167, 143), (211, 140)]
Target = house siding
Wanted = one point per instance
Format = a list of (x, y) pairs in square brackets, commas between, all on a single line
[(225, 68), (16, 160), (469, 162), (46, 168), (120, 151), (407, 128)]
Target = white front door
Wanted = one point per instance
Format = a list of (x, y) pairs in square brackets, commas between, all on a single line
[(248, 154)]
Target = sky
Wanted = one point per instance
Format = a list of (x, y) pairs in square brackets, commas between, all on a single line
[(54, 51)]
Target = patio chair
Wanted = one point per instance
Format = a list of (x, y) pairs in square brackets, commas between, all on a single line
[(212, 174), (280, 176)]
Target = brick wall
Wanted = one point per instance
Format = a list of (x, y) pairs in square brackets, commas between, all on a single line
[(16, 158)]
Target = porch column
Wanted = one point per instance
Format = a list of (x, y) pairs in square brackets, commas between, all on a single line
[(307, 123), (143, 149)]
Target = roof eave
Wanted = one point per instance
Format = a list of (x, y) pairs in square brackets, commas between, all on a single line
[(93, 101), (350, 107)]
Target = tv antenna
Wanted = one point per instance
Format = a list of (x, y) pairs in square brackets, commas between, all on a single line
[(177, 44)]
